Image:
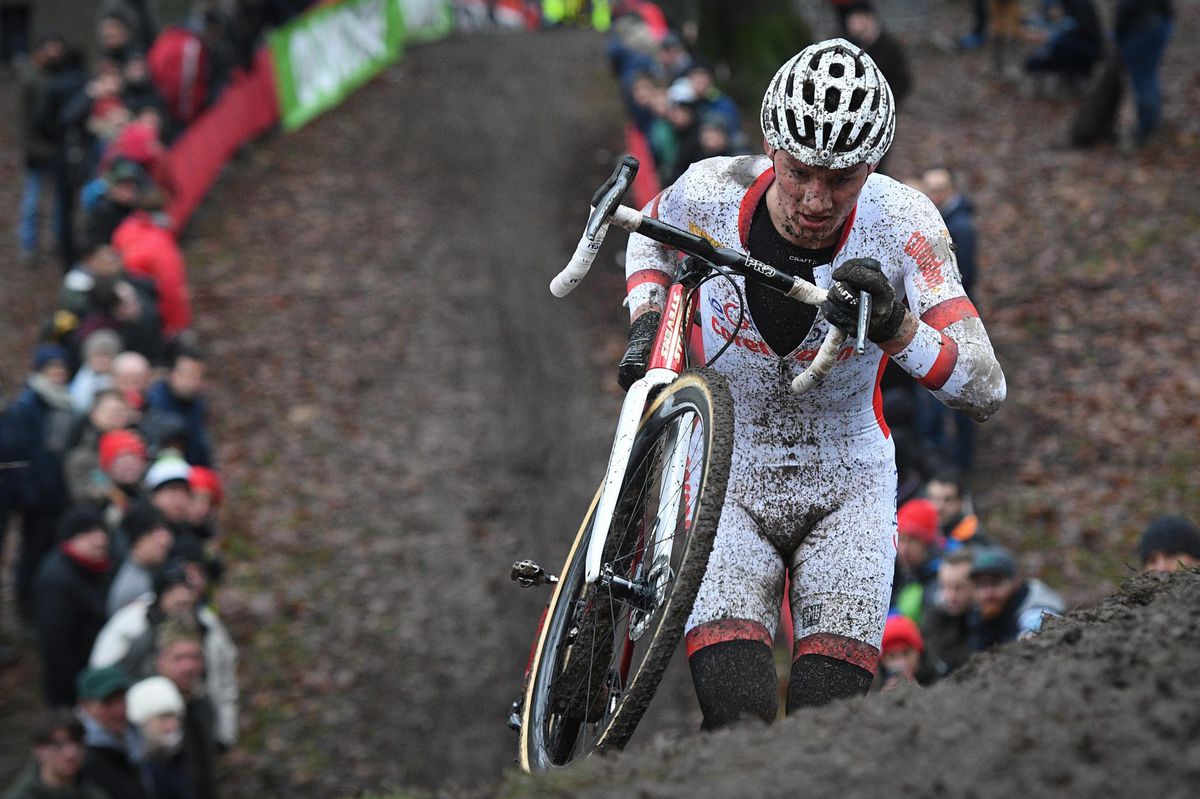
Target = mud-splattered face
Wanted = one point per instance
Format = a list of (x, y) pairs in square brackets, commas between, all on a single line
[(808, 204)]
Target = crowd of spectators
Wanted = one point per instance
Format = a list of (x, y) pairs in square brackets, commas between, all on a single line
[(109, 474), (957, 590)]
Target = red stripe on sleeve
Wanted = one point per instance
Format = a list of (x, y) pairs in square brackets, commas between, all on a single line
[(646, 276), (750, 201), (654, 204), (944, 314), (721, 630), (939, 373), (839, 647)]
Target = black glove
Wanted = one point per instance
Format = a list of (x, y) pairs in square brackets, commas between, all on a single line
[(841, 307), (641, 339)]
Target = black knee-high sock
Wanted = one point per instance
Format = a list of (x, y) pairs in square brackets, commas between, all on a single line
[(735, 680), (819, 679)]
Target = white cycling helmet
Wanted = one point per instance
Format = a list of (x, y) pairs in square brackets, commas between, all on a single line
[(830, 106)]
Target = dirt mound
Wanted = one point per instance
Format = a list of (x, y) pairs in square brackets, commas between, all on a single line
[(1105, 702)]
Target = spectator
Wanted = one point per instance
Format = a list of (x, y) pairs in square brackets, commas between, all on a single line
[(149, 249), (1004, 17), (944, 623), (1070, 43), (1170, 543), (902, 655), (95, 374), (207, 496), (126, 188), (115, 35), (71, 587), (182, 393), (38, 144), (122, 458), (979, 26), (128, 638), (180, 659), (169, 491), (143, 100), (84, 474), (131, 376), (156, 708), (132, 636), (865, 28), (915, 583), (1006, 607), (58, 754), (672, 60), (700, 89), (149, 541), (941, 186), (678, 127), (64, 77), (112, 742), (1143, 28), (41, 419), (947, 491)]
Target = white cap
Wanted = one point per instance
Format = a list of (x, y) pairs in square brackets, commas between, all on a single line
[(165, 470), (152, 697)]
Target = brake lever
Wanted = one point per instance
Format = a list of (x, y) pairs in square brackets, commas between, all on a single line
[(608, 197)]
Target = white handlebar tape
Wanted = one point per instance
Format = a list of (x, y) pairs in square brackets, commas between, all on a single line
[(816, 373), (581, 262)]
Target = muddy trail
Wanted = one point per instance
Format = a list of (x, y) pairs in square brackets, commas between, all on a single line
[(1103, 703), (405, 409)]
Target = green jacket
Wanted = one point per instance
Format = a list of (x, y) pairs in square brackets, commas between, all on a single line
[(29, 786)]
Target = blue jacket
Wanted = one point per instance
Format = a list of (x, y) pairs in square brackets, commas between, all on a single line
[(197, 451)]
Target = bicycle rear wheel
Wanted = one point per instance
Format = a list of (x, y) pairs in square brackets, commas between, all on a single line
[(603, 648)]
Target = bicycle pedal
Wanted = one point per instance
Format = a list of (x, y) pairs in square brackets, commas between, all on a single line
[(527, 574), (514, 716)]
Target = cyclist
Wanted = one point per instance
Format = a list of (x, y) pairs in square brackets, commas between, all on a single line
[(812, 489)]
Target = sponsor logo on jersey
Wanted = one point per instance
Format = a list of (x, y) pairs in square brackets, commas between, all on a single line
[(920, 249), (757, 345), (729, 312)]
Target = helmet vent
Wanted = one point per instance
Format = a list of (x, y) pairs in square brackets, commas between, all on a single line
[(808, 92), (856, 99), (832, 98), (837, 70)]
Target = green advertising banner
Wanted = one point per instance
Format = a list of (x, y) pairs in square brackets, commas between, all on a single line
[(324, 55), (426, 20)]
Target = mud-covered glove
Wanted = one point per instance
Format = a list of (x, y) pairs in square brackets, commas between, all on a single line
[(637, 355), (841, 307)]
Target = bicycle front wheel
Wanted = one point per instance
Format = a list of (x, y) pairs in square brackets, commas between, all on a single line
[(603, 647)]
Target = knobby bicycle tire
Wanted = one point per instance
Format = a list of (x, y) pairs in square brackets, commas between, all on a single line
[(581, 620)]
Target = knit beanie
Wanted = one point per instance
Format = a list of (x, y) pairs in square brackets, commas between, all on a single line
[(115, 443), (1174, 535), (900, 632), (152, 697), (918, 518)]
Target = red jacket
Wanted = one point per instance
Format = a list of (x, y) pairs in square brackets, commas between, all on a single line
[(151, 251)]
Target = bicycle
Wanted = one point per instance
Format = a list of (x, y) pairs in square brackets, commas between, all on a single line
[(618, 610)]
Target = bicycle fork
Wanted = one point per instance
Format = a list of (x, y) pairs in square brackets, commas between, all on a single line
[(667, 360)]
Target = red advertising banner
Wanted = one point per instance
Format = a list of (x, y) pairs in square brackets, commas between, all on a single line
[(646, 185), (245, 110)]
